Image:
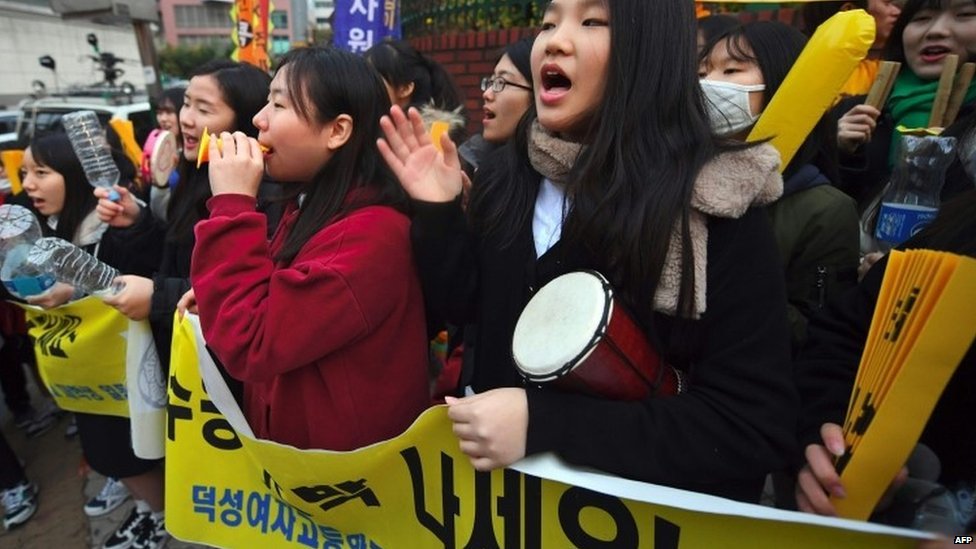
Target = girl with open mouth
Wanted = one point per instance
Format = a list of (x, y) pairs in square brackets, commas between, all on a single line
[(611, 175)]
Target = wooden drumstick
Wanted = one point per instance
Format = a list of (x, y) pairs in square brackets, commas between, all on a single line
[(881, 87), (945, 88), (959, 89)]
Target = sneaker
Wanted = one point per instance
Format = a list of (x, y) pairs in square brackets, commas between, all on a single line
[(153, 534), (35, 422), (125, 536), (19, 503), (113, 494), (40, 425), (24, 417)]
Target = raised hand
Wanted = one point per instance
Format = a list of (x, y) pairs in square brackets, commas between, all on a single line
[(425, 172)]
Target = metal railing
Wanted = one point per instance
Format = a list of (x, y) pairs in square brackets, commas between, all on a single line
[(432, 17)]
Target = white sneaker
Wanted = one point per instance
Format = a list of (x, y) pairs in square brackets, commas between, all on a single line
[(125, 536), (153, 534), (113, 494), (19, 504)]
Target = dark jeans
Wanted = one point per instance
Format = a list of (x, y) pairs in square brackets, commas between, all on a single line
[(13, 379), (11, 473)]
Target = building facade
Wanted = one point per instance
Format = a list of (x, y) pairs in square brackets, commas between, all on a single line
[(30, 29), (197, 22)]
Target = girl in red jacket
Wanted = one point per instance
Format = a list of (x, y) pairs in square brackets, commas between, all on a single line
[(325, 323)]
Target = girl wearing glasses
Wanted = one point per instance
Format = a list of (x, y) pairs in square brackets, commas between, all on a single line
[(507, 94)]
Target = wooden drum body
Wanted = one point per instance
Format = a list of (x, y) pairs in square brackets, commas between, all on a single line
[(574, 334)]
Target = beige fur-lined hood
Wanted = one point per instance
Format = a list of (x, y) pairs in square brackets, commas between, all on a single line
[(430, 114), (726, 187)]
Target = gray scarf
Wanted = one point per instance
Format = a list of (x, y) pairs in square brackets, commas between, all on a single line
[(551, 156)]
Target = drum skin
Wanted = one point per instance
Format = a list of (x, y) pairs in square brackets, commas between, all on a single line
[(618, 363)]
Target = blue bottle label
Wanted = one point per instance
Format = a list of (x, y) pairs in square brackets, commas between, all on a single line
[(27, 286), (899, 222)]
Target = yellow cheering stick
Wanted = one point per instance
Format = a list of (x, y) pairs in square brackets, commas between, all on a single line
[(437, 129), (127, 135), (203, 152), (12, 160), (818, 75)]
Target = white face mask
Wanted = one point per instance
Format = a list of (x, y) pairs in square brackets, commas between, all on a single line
[(728, 106)]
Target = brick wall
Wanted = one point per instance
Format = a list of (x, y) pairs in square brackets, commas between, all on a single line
[(468, 57)]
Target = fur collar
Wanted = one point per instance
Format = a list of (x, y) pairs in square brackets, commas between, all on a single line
[(726, 187), (454, 119)]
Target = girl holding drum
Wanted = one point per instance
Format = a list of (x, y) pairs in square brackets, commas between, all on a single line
[(618, 172)]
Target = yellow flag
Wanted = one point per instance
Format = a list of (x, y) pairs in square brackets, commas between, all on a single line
[(80, 349)]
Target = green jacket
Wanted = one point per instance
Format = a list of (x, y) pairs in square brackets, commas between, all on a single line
[(816, 231)]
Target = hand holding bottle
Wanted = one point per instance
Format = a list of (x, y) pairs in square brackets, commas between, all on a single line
[(121, 212)]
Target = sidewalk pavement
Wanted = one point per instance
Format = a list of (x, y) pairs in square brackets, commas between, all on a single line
[(55, 464)]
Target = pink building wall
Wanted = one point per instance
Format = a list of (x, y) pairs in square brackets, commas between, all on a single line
[(173, 33)]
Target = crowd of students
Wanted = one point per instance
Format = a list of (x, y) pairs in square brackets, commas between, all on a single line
[(329, 239)]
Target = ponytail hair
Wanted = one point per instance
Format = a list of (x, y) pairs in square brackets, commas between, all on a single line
[(401, 64)]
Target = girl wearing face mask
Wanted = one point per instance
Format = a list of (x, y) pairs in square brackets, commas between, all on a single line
[(619, 172), (816, 225), (925, 33), (63, 202), (353, 370), (222, 96)]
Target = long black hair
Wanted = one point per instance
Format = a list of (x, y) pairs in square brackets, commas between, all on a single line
[(54, 151), (322, 84), (520, 54), (171, 98), (774, 47), (245, 90), (632, 184), (400, 64)]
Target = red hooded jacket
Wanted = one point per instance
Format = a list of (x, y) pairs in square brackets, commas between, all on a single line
[(332, 347)]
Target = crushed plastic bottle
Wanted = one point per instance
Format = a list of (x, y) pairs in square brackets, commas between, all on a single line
[(72, 265), (912, 200), (19, 231)]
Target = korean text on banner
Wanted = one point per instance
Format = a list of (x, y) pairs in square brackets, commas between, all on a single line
[(80, 349), (418, 490), (359, 24)]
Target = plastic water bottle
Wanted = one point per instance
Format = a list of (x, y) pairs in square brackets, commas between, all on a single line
[(72, 265), (19, 230), (912, 200), (88, 141)]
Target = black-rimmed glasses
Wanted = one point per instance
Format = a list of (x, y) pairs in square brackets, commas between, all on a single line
[(497, 84)]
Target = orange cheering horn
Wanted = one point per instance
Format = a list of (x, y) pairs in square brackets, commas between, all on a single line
[(203, 151)]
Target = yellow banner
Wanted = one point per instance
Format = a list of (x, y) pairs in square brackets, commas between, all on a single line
[(226, 489), (80, 349)]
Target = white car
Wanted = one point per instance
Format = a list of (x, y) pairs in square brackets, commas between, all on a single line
[(8, 126), (44, 114)]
